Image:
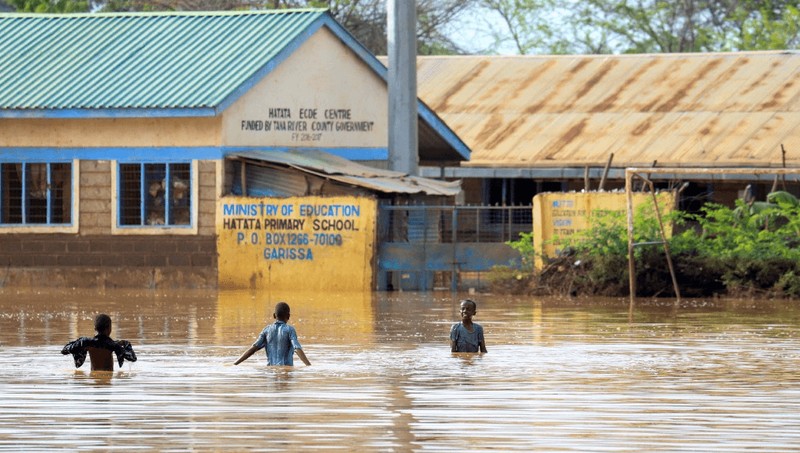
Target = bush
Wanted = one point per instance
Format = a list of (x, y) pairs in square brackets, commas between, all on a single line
[(752, 249)]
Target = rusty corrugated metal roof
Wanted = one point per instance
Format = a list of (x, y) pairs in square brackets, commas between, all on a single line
[(718, 109), (348, 172)]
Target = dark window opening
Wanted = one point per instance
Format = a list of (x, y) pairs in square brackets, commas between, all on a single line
[(36, 193), (155, 194)]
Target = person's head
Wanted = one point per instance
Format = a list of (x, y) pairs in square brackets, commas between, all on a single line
[(468, 309), (282, 311), (102, 324)]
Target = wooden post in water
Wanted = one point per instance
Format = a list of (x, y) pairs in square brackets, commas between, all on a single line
[(676, 172), (631, 266), (666, 243)]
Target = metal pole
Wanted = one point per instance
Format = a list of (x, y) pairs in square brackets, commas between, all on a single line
[(631, 265), (402, 37), (453, 240)]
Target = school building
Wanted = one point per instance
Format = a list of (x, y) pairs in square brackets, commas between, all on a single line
[(198, 150), (250, 149)]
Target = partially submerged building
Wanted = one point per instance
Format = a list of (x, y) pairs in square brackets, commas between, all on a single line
[(143, 149), (550, 123)]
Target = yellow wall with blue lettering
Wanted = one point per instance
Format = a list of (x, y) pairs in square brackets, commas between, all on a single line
[(308, 243), (559, 215)]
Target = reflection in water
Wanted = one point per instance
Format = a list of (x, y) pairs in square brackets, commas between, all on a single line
[(570, 375)]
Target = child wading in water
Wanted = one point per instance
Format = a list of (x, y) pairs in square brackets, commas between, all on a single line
[(100, 347), (279, 339), (466, 336)]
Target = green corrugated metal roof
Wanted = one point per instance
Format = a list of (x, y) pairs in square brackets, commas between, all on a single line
[(138, 61)]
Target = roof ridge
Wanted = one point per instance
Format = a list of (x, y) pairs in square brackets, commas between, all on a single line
[(163, 13), (611, 55)]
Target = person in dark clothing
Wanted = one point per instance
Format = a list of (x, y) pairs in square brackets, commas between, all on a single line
[(467, 336), (100, 347)]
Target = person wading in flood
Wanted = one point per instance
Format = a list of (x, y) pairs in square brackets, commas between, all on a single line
[(279, 339), (466, 336), (100, 347)]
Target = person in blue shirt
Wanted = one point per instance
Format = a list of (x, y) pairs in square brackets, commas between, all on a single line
[(467, 336), (279, 339)]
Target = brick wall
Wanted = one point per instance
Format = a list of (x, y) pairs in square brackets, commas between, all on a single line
[(51, 250), (95, 257)]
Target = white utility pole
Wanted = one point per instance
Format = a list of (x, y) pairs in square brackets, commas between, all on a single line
[(402, 37)]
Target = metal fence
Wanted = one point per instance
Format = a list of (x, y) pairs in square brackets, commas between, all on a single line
[(453, 224), (428, 244)]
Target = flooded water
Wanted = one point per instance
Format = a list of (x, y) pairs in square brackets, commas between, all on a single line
[(559, 375)]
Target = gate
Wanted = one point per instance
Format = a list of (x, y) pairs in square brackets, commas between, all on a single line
[(423, 247)]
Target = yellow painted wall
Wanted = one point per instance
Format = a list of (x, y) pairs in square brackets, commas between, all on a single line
[(306, 243), (322, 95), (99, 132), (558, 214)]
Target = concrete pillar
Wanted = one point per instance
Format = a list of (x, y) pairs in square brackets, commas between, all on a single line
[(402, 37)]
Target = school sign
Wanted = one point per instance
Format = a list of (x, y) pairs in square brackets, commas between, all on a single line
[(309, 243)]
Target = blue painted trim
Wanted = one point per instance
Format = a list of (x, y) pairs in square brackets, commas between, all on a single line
[(354, 154), (49, 208), (354, 45), (143, 189), (273, 63), (142, 196), (118, 191), (444, 130), (167, 154), (367, 57), (325, 20), (24, 202), (423, 110), (48, 196), (110, 113), (133, 154), (167, 193)]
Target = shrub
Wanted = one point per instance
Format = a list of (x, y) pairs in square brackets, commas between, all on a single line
[(748, 250)]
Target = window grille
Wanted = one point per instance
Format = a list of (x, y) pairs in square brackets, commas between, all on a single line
[(155, 194), (36, 193)]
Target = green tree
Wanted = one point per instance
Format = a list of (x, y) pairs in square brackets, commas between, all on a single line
[(50, 6), (641, 26), (365, 19)]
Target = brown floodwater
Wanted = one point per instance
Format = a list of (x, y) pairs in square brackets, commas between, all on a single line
[(560, 375)]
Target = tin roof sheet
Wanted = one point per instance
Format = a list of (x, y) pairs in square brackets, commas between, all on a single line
[(720, 109), (138, 60), (174, 64), (348, 172)]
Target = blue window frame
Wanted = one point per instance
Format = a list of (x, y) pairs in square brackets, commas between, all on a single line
[(35, 193), (155, 194)]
